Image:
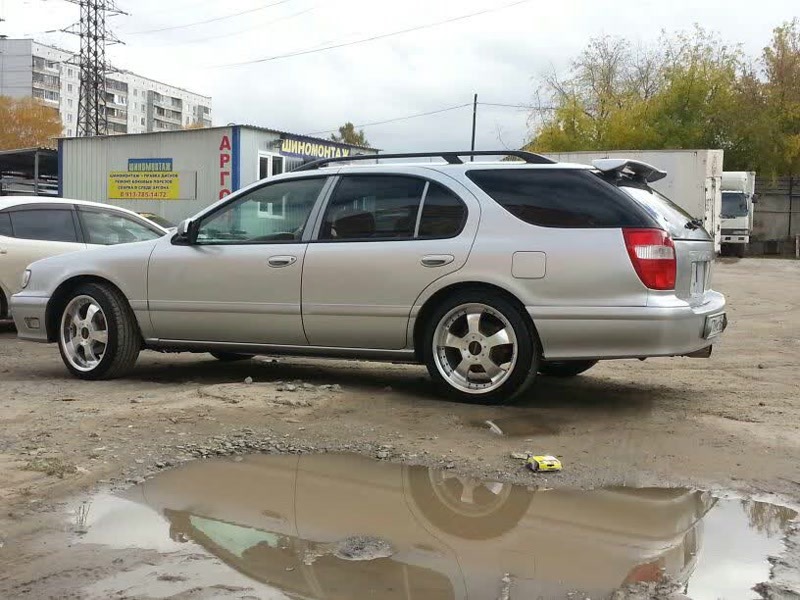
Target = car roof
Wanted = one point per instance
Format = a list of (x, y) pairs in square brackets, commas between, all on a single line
[(13, 201)]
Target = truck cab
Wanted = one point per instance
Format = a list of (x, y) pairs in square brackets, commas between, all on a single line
[(738, 198)]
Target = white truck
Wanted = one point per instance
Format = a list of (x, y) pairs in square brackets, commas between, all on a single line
[(738, 198), (693, 181)]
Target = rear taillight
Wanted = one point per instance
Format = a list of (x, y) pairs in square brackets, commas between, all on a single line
[(652, 253)]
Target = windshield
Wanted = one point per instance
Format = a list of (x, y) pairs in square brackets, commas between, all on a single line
[(676, 221), (734, 204)]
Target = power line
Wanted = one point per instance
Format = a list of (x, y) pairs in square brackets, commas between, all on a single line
[(519, 106), (224, 35), (405, 118), (212, 20), (372, 38)]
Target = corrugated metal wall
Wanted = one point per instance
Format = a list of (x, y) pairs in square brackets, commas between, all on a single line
[(777, 210), (88, 161)]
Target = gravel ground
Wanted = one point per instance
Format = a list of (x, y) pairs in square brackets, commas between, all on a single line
[(726, 423)]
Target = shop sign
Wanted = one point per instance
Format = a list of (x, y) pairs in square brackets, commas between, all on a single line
[(304, 148), (149, 164), (143, 185)]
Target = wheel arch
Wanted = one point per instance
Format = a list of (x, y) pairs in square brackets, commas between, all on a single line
[(429, 306), (59, 298)]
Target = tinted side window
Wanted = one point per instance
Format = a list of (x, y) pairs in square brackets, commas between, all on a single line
[(443, 214), (560, 198), (273, 213), (5, 225), (108, 228), (373, 207), (52, 225)]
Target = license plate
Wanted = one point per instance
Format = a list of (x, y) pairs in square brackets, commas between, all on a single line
[(698, 284), (714, 326)]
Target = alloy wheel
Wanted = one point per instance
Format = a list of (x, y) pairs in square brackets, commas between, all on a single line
[(475, 348), (84, 333)]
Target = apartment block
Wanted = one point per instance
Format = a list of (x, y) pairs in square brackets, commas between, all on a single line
[(134, 104)]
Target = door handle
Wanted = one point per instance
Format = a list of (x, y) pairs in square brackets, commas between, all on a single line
[(437, 260), (281, 261), (3, 251)]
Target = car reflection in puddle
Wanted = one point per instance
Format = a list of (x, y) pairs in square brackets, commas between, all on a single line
[(282, 520)]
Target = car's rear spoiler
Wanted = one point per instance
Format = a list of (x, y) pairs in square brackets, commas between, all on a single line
[(636, 168)]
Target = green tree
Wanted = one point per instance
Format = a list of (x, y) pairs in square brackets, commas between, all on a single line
[(27, 123), (678, 94), (349, 135), (781, 64)]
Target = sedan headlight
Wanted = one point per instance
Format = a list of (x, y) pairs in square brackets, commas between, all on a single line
[(26, 278)]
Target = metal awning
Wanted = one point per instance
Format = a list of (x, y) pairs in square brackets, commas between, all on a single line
[(29, 171)]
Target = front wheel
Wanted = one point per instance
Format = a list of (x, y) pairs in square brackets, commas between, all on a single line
[(98, 337), (565, 368), (479, 347)]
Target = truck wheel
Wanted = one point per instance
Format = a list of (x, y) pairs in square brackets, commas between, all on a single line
[(565, 368), (230, 356), (480, 348), (98, 336)]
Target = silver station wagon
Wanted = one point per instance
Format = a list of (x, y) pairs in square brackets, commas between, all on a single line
[(489, 273)]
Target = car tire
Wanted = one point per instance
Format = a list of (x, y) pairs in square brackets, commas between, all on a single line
[(565, 368), (98, 336), (230, 356), (510, 368)]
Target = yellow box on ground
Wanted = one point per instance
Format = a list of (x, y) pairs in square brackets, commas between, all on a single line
[(143, 185)]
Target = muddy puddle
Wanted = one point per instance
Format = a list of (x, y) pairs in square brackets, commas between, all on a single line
[(343, 527)]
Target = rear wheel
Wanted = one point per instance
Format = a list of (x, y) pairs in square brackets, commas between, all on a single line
[(565, 368), (230, 356), (480, 348), (98, 337)]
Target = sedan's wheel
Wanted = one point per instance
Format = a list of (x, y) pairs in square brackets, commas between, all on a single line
[(230, 356), (98, 337), (480, 348), (565, 368)]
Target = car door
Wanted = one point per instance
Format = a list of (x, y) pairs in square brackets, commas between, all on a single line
[(382, 239), (240, 280), (106, 227), (35, 232)]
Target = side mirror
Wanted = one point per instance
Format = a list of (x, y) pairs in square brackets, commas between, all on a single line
[(754, 199), (185, 234)]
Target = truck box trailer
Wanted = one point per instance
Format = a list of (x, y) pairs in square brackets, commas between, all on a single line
[(693, 181)]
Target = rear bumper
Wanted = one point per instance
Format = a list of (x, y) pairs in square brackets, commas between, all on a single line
[(29, 314), (624, 332)]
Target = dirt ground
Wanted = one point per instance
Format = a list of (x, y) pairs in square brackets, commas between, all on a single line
[(726, 423)]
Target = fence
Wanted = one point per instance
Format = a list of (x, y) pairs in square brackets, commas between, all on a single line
[(776, 221)]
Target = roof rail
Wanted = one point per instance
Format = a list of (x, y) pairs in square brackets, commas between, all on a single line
[(452, 158)]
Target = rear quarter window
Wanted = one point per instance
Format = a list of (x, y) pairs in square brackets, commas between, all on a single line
[(560, 198)]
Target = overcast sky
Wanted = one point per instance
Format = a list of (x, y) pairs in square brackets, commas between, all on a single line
[(499, 55)]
